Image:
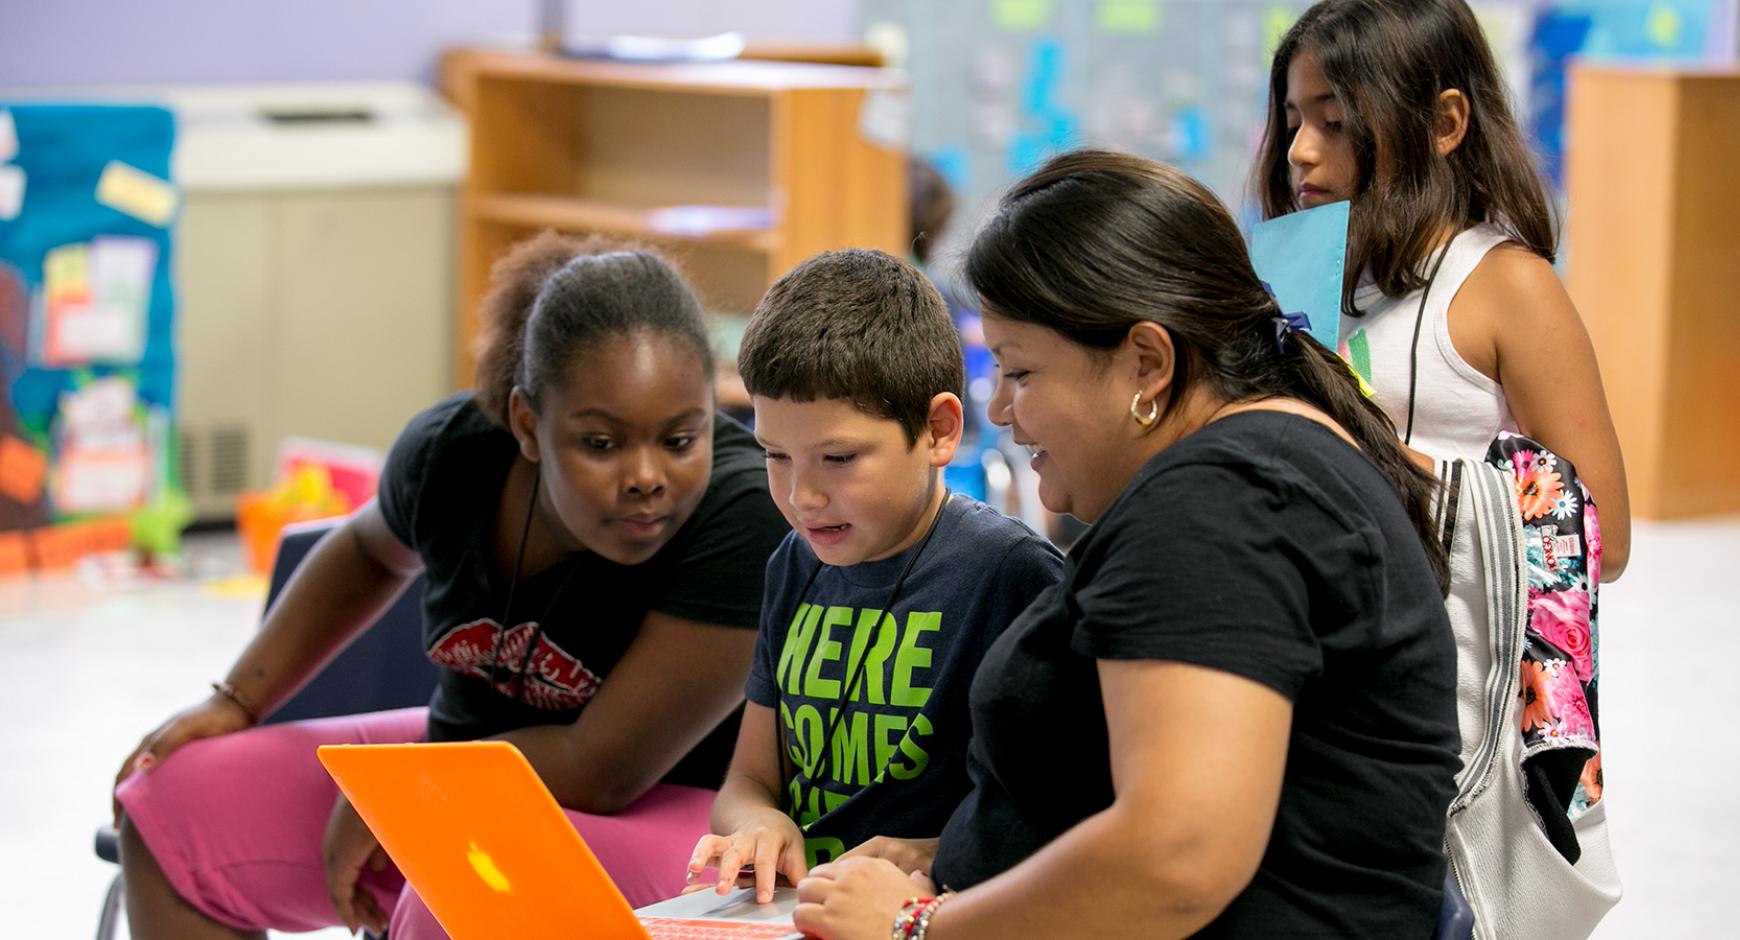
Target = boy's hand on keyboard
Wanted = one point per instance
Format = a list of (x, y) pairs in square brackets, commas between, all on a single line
[(912, 855), (771, 847)]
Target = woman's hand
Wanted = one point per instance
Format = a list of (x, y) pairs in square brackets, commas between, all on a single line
[(855, 899), (348, 846), (913, 856), (215, 716), (772, 845)]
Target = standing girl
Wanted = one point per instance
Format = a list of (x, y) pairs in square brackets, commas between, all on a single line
[(594, 537), (1451, 309)]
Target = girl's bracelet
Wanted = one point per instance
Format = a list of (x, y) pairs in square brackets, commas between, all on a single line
[(914, 918), (229, 691)]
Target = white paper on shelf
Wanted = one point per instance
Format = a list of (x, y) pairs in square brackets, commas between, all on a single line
[(660, 49), (8, 136), (885, 119), (11, 192)]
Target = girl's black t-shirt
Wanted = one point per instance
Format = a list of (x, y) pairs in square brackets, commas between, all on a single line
[(439, 493), (1267, 547)]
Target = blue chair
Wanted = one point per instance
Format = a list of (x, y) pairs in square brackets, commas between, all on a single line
[(383, 668)]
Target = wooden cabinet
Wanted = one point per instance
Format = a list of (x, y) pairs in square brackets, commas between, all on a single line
[(738, 169), (1653, 246)]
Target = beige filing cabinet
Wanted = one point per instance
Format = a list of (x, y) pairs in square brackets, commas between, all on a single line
[(314, 270), (1653, 239)]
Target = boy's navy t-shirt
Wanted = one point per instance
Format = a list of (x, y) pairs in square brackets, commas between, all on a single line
[(894, 763)]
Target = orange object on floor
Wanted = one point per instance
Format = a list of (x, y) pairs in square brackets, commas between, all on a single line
[(61, 546), (304, 494), (22, 469), (14, 553)]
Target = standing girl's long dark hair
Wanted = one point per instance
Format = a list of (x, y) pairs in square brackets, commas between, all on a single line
[(1387, 62), (1096, 242)]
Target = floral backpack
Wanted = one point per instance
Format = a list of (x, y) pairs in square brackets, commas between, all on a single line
[(1558, 699)]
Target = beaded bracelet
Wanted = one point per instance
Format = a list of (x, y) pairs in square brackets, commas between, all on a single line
[(229, 691), (915, 915)]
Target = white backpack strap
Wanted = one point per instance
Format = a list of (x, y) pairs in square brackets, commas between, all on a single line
[(1497, 525)]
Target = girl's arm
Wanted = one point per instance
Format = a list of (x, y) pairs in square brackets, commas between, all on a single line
[(347, 581), (1537, 348), (675, 683), (1197, 763), (349, 578)]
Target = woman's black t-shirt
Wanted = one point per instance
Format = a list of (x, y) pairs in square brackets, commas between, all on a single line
[(1267, 547), (439, 494)]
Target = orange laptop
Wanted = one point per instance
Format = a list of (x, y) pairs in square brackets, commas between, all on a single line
[(479, 836)]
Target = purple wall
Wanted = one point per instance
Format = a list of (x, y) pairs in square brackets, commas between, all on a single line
[(58, 43)]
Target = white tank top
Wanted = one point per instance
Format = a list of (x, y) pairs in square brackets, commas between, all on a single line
[(1457, 411)]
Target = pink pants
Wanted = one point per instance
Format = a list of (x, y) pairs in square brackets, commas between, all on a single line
[(236, 824)]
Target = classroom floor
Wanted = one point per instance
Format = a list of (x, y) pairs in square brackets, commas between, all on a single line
[(90, 661)]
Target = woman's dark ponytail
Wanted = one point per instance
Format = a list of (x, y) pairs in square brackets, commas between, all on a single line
[(1323, 379)]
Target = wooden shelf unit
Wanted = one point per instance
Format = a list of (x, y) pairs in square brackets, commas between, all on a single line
[(1653, 243), (738, 169)]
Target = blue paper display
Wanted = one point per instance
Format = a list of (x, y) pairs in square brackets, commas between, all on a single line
[(1301, 256), (91, 409), (64, 149)]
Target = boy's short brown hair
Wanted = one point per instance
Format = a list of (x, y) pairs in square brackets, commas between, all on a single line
[(858, 325)]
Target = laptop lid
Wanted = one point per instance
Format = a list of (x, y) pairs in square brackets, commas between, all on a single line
[(478, 835)]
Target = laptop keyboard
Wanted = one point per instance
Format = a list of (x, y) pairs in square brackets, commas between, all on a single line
[(676, 928)]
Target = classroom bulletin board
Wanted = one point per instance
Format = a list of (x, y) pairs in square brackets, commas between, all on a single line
[(87, 361)]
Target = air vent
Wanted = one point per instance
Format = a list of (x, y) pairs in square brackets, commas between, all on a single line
[(229, 461), (190, 479)]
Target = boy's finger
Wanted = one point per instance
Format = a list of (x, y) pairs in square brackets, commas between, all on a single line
[(706, 851), (766, 871), (792, 864), (729, 861)]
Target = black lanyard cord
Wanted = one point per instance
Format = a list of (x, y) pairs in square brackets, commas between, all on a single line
[(514, 579), (1414, 347), (517, 686), (823, 764)]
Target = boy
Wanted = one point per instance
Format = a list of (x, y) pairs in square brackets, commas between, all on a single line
[(880, 604)]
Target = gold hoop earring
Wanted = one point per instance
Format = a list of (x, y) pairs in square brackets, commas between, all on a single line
[(1151, 418)]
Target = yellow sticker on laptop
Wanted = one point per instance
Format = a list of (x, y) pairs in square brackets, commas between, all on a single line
[(131, 190)]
